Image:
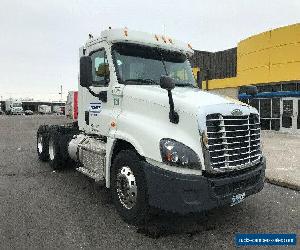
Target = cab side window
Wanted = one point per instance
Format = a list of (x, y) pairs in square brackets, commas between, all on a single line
[(100, 68), (178, 73)]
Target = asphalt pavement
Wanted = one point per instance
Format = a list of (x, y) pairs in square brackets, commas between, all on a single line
[(283, 158), (40, 208)]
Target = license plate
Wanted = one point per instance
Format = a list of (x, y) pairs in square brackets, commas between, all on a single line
[(237, 198)]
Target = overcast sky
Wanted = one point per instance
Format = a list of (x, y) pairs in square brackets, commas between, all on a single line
[(39, 39)]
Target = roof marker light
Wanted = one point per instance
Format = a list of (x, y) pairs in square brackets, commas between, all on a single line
[(190, 46), (164, 39), (156, 37), (126, 31), (170, 40)]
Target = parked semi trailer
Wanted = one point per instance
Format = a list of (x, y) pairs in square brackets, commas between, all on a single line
[(58, 109), (71, 110), (44, 109), (150, 136)]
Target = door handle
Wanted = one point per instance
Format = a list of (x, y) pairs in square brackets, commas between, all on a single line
[(87, 117)]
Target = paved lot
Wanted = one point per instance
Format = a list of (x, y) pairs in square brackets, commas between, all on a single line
[(283, 158), (40, 208)]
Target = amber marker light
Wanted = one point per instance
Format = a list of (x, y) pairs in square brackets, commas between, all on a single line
[(164, 39), (156, 37), (113, 124), (169, 156), (190, 46), (205, 139), (126, 31), (170, 40)]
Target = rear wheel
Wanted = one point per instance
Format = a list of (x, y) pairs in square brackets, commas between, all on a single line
[(55, 157), (129, 188), (42, 144)]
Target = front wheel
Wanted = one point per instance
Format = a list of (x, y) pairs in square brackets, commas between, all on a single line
[(129, 188)]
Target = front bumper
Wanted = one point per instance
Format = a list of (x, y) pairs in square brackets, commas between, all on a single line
[(190, 193)]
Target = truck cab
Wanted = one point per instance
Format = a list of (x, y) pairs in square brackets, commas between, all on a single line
[(13, 107), (150, 135)]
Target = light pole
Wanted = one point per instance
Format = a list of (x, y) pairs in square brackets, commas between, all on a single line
[(61, 93)]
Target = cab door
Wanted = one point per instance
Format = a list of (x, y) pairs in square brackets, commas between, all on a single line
[(98, 113)]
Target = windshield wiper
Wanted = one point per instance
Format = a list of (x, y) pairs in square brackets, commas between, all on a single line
[(185, 85), (141, 80)]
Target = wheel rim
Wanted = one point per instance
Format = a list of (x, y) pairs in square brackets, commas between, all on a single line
[(51, 150), (126, 187), (40, 144)]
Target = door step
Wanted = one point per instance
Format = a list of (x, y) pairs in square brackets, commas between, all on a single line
[(91, 174)]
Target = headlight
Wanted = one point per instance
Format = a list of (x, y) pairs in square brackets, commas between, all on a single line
[(177, 154)]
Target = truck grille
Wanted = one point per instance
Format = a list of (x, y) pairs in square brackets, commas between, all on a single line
[(233, 141)]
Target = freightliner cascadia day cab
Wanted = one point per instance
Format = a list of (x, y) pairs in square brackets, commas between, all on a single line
[(150, 136)]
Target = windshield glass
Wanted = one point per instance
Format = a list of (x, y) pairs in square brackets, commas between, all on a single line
[(136, 64), (17, 104)]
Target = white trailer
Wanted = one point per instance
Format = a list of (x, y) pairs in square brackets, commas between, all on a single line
[(71, 109), (150, 136), (44, 109), (58, 109)]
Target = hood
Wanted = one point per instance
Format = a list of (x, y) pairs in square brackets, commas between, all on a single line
[(186, 99)]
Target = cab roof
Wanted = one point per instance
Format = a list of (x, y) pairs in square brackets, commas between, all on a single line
[(138, 37)]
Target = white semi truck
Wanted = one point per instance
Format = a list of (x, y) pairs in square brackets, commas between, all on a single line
[(13, 107), (150, 136)]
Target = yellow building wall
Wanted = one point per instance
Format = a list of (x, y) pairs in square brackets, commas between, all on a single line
[(271, 56)]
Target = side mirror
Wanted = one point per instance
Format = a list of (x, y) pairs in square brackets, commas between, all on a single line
[(167, 83), (86, 78), (250, 90)]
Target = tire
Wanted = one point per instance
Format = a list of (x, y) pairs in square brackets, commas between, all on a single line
[(56, 159), (128, 177), (42, 143)]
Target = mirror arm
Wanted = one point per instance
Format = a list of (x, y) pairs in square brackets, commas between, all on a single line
[(173, 115), (92, 92), (102, 95)]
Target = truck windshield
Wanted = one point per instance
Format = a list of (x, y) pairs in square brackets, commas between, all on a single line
[(137, 64), (17, 105)]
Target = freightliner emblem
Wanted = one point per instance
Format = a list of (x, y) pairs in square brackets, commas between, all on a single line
[(237, 112)]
